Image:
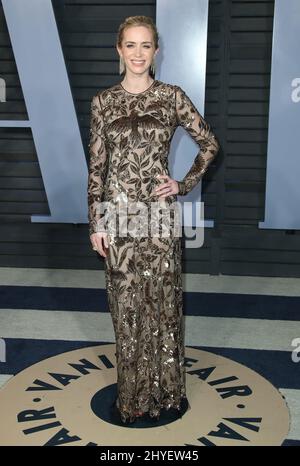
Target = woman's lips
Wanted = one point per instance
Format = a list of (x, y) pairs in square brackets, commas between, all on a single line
[(138, 63)]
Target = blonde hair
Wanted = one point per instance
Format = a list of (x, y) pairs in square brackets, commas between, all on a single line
[(146, 21)]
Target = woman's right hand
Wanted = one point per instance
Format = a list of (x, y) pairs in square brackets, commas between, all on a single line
[(99, 241)]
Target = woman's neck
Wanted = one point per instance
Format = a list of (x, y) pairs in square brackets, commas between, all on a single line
[(135, 85)]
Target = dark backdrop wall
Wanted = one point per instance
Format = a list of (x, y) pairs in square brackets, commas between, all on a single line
[(236, 106)]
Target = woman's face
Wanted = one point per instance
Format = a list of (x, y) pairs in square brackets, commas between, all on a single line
[(137, 49)]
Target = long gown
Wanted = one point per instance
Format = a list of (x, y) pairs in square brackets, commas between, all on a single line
[(130, 136)]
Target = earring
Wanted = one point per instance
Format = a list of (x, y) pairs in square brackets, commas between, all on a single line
[(152, 67), (121, 66)]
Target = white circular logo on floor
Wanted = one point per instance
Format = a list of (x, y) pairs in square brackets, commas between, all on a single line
[(67, 400)]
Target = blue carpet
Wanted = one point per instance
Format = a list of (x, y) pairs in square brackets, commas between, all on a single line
[(291, 443), (195, 304), (275, 366)]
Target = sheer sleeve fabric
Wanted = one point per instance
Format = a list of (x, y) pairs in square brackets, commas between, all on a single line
[(97, 167), (192, 121)]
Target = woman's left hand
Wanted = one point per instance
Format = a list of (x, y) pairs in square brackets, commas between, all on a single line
[(167, 188)]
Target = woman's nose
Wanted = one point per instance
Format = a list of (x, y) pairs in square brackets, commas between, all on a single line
[(138, 52)]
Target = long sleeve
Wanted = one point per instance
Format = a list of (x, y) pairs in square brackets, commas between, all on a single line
[(97, 167), (190, 119)]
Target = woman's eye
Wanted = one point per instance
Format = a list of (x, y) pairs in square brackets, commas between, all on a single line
[(146, 46)]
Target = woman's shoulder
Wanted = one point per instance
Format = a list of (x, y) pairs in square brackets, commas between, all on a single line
[(170, 90), (104, 94), (167, 86)]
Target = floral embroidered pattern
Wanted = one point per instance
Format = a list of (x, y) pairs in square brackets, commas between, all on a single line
[(189, 118), (129, 145)]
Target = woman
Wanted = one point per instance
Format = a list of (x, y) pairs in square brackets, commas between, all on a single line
[(132, 124)]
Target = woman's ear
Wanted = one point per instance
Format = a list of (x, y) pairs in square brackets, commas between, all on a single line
[(118, 50)]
